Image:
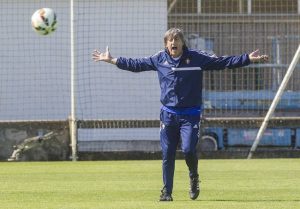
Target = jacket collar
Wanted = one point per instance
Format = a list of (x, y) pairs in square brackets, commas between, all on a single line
[(184, 55)]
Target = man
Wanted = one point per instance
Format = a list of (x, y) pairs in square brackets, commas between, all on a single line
[(180, 72)]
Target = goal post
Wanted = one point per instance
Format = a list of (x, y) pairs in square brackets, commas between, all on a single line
[(275, 102), (72, 122)]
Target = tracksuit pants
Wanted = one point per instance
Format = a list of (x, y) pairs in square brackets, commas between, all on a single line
[(172, 128)]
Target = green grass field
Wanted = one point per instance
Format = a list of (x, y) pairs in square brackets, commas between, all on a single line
[(232, 184)]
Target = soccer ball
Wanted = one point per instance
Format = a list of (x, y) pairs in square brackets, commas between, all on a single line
[(44, 21)]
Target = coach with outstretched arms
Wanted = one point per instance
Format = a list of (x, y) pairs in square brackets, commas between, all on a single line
[(180, 73)]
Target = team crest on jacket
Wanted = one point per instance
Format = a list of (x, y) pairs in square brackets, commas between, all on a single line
[(187, 61)]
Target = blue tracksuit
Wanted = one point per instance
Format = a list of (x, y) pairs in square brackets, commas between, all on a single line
[(181, 96)]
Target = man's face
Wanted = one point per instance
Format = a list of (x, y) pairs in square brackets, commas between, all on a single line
[(174, 45)]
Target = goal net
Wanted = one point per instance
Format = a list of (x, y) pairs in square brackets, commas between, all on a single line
[(35, 69), (117, 110)]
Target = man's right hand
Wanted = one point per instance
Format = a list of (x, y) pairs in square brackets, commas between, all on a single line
[(103, 56)]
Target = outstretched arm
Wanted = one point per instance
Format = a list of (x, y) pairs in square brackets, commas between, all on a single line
[(230, 62), (255, 57), (103, 56), (130, 64)]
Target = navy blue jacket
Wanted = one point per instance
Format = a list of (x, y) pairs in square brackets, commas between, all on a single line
[(181, 80)]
